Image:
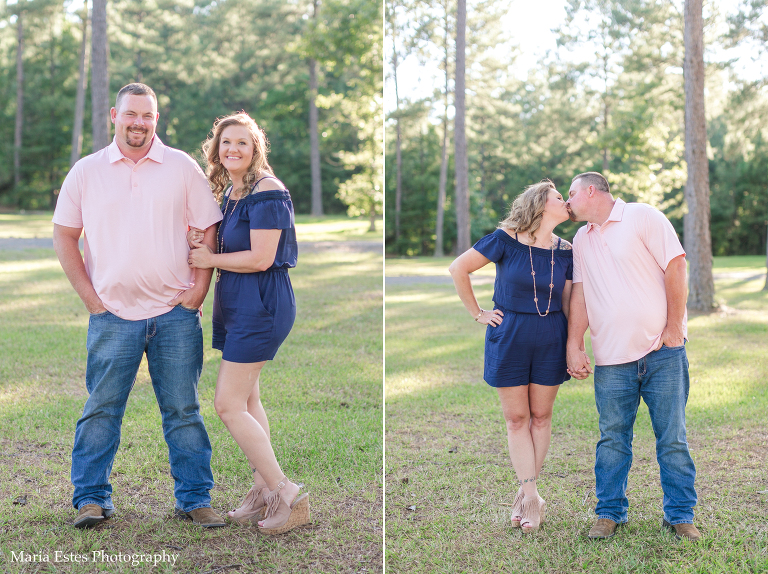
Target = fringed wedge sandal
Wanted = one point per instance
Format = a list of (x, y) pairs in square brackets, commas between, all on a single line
[(279, 517), (252, 508), (533, 513), (517, 508)]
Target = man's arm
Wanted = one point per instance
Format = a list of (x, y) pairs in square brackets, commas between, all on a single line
[(193, 297), (578, 321), (65, 242), (676, 286)]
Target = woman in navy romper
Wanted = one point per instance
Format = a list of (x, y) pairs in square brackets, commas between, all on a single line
[(525, 357), (253, 307)]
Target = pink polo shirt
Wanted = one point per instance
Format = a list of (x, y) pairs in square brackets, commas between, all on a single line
[(621, 265), (135, 217)]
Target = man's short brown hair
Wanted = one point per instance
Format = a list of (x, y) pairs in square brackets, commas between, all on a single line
[(597, 180), (135, 89)]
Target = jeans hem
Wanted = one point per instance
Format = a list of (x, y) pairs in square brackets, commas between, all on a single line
[(109, 506), (599, 516), (193, 507), (680, 521)]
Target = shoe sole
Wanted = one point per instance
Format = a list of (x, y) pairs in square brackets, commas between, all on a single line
[(88, 521), (299, 516)]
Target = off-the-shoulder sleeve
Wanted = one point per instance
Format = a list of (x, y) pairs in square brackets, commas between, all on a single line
[(270, 214), (490, 247)]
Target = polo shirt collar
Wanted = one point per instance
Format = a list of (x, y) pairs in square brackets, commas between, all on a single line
[(616, 214), (156, 151)]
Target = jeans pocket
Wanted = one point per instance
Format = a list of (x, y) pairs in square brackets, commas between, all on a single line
[(188, 310), (102, 314)]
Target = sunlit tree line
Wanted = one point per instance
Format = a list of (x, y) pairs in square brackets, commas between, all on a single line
[(619, 111), (276, 60)]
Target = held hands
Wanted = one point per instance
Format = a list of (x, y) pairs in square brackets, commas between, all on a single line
[(578, 363), (671, 336), (194, 235), (492, 318), (200, 256)]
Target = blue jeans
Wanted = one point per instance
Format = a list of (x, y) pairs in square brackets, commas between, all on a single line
[(661, 379), (173, 343)]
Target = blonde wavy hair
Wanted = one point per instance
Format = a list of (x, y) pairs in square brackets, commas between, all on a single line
[(528, 209), (259, 166)]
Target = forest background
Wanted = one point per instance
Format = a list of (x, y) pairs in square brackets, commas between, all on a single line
[(204, 59), (609, 97)]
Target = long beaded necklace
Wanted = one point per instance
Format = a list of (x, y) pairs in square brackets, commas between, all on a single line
[(551, 282), (219, 236)]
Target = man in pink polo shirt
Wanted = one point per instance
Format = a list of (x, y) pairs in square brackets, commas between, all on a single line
[(629, 288), (135, 200)]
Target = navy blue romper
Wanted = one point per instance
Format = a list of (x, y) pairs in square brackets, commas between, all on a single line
[(526, 348), (254, 312)]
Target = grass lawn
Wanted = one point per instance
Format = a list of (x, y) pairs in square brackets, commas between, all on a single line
[(322, 393), (447, 470)]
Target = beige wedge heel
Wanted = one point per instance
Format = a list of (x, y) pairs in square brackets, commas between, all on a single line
[(533, 513), (279, 517)]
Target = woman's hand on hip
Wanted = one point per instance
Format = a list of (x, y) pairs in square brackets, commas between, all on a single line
[(493, 318)]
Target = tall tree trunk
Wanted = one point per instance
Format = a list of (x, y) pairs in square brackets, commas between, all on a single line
[(82, 84), (398, 137), (698, 241), (19, 101), (441, 192), (460, 137), (99, 76), (444, 160), (314, 142)]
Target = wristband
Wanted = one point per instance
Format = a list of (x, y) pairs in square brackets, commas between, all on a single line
[(480, 314)]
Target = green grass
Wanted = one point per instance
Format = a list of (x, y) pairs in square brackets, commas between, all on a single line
[(322, 394), (443, 509), (308, 228)]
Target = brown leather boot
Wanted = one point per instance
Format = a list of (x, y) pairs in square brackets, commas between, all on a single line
[(91, 514), (683, 531), (205, 517), (603, 528)]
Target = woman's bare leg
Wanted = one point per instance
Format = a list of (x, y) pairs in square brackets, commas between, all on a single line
[(237, 387), (514, 406), (541, 400)]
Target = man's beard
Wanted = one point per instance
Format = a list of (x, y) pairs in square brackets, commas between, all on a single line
[(141, 142)]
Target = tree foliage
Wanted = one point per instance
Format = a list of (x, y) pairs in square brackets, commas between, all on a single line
[(609, 98), (204, 59)]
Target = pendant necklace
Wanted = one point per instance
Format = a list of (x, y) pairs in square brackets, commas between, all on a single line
[(220, 236), (551, 281)]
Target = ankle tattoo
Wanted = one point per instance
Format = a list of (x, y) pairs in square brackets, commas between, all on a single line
[(532, 479)]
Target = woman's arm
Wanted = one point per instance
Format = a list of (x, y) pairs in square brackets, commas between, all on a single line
[(259, 257), (469, 261), (567, 297)]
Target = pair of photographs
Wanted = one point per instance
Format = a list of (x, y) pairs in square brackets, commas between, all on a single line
[(465, 310)]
